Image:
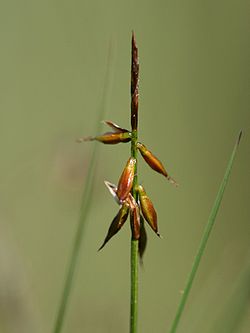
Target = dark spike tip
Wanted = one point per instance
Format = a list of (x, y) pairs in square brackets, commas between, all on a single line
[(101, 246), (134, 65), (134, 47), (134, 83)]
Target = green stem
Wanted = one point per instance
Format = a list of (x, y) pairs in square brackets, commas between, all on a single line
[(85, 206), (134, 242), (76, 245), (134, 251), (134, 286), (204, 240)]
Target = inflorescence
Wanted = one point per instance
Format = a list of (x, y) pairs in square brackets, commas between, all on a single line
[(131, 196)]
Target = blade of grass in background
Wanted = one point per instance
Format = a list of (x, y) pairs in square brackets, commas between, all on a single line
[(207, 231), (86, 200)]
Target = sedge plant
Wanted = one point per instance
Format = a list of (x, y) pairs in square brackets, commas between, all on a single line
[(135, 204), (131, 196)]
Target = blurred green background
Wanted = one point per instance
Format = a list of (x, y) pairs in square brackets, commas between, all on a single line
[(194, 99)]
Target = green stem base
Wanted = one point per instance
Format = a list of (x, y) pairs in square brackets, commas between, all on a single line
[(134, 286)]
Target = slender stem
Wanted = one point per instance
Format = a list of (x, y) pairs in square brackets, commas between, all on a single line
[(134, 252), (76, 247), (84, 209), (204, 240), (134, 242), (134, 287)]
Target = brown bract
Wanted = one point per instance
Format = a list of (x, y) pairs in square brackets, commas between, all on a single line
[(135, 216), (110, 138), (154, 162), (126, 179), (134, 84), (135, 222), (115, 127), (147, 208)]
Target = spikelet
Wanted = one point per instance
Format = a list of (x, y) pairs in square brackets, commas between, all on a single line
[(117, 223), (147, 208), (154, 162), (126, 179)]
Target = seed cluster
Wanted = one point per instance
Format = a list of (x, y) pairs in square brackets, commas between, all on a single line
[(131, 197)]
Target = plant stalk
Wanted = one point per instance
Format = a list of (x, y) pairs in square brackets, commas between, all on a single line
[(84, 209), (134, 252), (134, 286), (204, 240), (134, 242)]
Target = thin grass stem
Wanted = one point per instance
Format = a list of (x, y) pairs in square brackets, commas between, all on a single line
[(134, 252), (76, 244), (134, 286), (84, 210), (204, 240), (134, 137)]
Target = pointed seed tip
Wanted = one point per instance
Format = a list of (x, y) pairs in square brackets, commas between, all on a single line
[(86, 138), (172, 181), (79, 140), (100, 248)]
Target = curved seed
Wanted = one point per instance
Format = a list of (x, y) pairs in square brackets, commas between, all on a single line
[(109, 138), (126, 179), (153, 162), (148, 210)]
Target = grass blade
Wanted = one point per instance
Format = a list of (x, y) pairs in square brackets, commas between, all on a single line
[(85, 206), (204, 240)]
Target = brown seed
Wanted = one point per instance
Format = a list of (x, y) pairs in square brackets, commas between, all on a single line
[(117, 223), (153, 162), (109, 138), (147, 208), (126, 179)]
